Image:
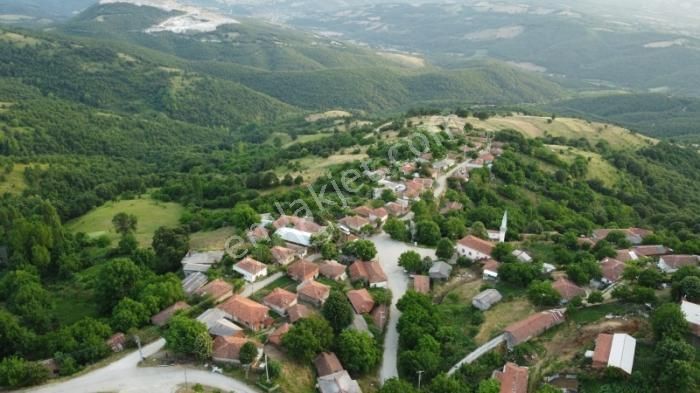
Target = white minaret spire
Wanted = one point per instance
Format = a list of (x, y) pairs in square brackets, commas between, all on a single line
[(504, 228)]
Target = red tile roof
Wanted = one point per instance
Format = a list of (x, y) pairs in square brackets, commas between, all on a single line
[(361, 300), (282, 254), (354, 222), (280, 298), (421, 284), (332, 269), (245, 310), (650, 251), (363, 211), (228, 347), (534, 325), (677, 261), (297, 312), (303, 270), (601, 354), (371, 272), (276, 336), (251, 265), (327, 363), (380, 315), (491, 265), (164, 316), (513, 378), (612, 269), (478, 244), (567, 289), (314, 290), (215, 289)]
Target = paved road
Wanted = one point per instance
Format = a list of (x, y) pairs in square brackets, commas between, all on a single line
[(388, 252), (479, 352), (441, 181), (125, 376), (251, 288)]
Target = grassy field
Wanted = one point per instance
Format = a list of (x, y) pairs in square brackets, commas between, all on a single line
[(313, 167), (14, 181), (151, 215), (72, 303), (536, 126), (502, 315), (598, 168), (211, 240)]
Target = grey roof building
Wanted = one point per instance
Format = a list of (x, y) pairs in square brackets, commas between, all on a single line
[(193, 282), (440, 271), (218, 323), (484, 300), (339, 382)]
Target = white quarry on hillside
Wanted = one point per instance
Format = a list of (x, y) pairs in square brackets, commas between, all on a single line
[(191, 19)]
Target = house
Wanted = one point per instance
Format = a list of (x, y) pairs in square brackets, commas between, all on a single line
[(259, 233), (692, 315), (298, 223), (567, 289), (303, 271), (380, 316), (633, 235), (283, 255), (354, 223), (275, 338), (513, 378), (532, 326), (333, 270), (359, 324), (250, 269), (116, 342), (162, 318), (246, 312), (191, 283), (228, 349), (363, 211), (279, 300), (218, 323), (451, 207), (614, 350), (408, 168), (651, 251), (295, 236), (484, 300), (671, 263), (443, 165), (626, 255), (339, 382), (313, 292), (612, 270), (297, 312), (218, 290), (395, 209), (368, 272), (440, 270), (201, 262), (474, 248), (490, 269), (327, 363), (421, 284), (361, 300), (379, 215), (522, 256)]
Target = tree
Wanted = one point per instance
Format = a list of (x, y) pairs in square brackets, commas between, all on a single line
[(690, 287), (503, 252), (396, 229), (388, 195), (248, 353), (116, 280), (454, 228), (521, 274), (308, 337), (445, 248), (124, 223), (478, 229), (170, 246), (16, 373), (549, 389), (674, 360), (381, 295), (541, 293), (489, 386), (411, 261), (427, 232), (127, 244), (329, 250), (357, 351), (14, 336), (128, 314), (446, 384), (595, 297), (650, 278), (363, 249), (244, 216), (188, 336), (338, 311), (395, 385), (668, 321)]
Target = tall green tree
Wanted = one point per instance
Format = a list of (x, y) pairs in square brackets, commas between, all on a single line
[(116, 280), (170, 246), (338, 311), (124, 223), (357, 351), (668, 321), (188, 336), (308, 337)]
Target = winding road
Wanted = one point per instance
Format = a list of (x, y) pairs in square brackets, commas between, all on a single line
[(125, 376)]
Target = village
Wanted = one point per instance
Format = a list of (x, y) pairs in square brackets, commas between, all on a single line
[(299, 281)]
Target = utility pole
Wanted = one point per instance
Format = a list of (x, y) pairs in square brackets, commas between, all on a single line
[(138, 343), (420, 374)]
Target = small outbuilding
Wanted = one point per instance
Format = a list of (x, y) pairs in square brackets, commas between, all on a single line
[(486, 299)]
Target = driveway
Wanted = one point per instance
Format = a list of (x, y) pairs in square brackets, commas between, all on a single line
[(388, 252), (251, 288), (125, 376), (441, 181), (479, 352)]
